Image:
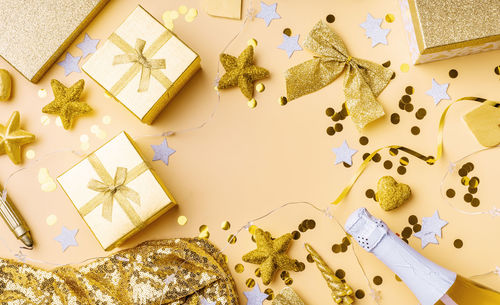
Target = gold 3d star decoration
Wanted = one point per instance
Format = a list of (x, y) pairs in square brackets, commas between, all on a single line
[(66, 103), (12, 137), (241, 72), (271, 255)]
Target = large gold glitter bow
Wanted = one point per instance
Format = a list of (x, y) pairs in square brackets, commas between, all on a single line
[(113, 188), (364, 81), (142, 60), (172, 271)]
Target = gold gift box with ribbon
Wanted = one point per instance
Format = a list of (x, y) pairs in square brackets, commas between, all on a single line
[(441, 29), (115, 191), (142, 65)]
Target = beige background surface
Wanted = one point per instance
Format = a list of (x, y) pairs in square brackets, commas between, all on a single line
[(248, 161)]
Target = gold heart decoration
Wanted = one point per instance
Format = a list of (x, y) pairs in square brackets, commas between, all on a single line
[(391, 194)]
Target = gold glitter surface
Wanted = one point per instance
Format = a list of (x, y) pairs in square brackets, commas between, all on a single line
[(446, 22), (391, 194), (36, 32), (287, 296), (132, 276)]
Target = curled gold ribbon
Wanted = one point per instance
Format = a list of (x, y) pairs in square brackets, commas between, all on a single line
[(363, 82), (142, 61), (428, 159), (113, 188)]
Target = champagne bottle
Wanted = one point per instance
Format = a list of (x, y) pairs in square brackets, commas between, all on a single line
[(431, 283)]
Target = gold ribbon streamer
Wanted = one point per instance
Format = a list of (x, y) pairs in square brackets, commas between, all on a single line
[(429, 159), (113, 188), (363, 82), (142, 62)]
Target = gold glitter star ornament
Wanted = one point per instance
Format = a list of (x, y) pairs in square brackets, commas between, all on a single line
[(66, 103), (241, 72), (12, 137), (271, 255)]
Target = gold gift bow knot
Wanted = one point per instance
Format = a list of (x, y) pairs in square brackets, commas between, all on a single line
[(142, 62), (113, 188), (147, 64), (363, 82)]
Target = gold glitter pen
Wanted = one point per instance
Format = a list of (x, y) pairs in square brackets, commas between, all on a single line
[(15, 221)]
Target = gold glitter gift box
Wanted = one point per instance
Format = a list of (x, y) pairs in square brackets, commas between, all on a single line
[(35, 33), (115, 191), (441, 29), (142, 65)]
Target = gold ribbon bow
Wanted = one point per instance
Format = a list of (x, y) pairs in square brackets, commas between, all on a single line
[(142, 60), (113, 188), (363, 82)]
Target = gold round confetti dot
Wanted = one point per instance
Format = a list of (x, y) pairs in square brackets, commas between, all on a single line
[(231, 239), (287, 32), (346, 241), (475, 202), (401, 105), (330, 131), (343, 247), (225, 225), (330, 18), (296, 235), (336, 248), (408, 107), (468, 197), (252, 42), (359, 294), (393, 76), (462, 172), (397, 278), (453, 73), (45, 120), (51, 220), (309, 258), (471, 189), (260, 87), (288, 281), (283, 101), (450, 193), (302, 228), (415, 130), (417, 227), (30, 154), (412, 219), (404, 67), (284, 274), (340, 273), (387, 64), (329, 111), (393, 151), (377, 280), (409, 90), (270, 294), (474, 182), (250, 283), (310, 224), (346, 165), (370, 193), (497, 70), (182, 9), (406, 233), (404, 161), (390, 18), (363, 140), (465, 181), (401, 170), (301, 266), (394, 118), (106, 120), (406, 98), (203, 228), (42, 93), (204, 235), (338, 127), (182, 220), (420, 114), (376, 157), (387, 164), (252, 229), (257, 272), (239, 268), (252, 103), (458, 243)]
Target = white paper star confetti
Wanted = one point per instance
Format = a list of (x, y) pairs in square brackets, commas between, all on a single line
[(70, 64), (374, 31), (255, 296), (268, 12), (88, 45), (21, 256), (67, 238), (290, 44), (431, 227), (204, 301), (438, 92), (344, 153), (162, 152)]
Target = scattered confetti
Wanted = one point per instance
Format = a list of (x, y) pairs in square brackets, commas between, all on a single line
[(290, 44), (268, 12), (255, 296), (88, 46), (42, 93), (225, 225), (431, 227), (374, 31), (282, 100), (182, 220), (47, 184), (390, 18), (344, 153), (438, 92), (30, 154), (67, 238), (70, 64), (51, 220), (252, 103), (330, 18), (252, 42), (453, 73), (162, 152), (260, 87)]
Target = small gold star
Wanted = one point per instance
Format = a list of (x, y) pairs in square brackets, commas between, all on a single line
[(271, 255), (66, 103), (241, 72), (12, 137)]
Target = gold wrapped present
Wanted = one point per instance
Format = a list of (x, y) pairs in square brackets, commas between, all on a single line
[(35, 33), (447, 28), (142, 65), (115, 191)]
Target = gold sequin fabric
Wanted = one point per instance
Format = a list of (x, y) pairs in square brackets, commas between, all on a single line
[(173, 271), (363, 82)]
